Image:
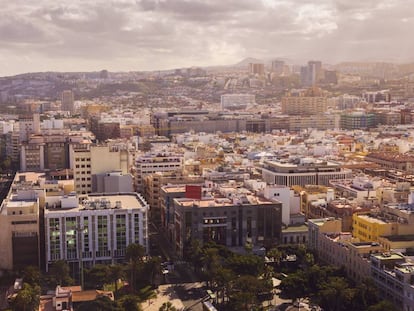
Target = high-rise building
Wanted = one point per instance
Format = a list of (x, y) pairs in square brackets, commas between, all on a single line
[(311, 74), (68, 103), (304, 105), (278, 66), (256, 69)]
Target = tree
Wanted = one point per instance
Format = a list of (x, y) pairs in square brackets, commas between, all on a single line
[(115, 272), (146, 293), (194, 253), (97, 276), (383, 305), (224, 277), (245, 291), (211, 263), (275, 255), (365, 296), (167, 306), (336, 295), (152, 270), (27, 298), (134, 255), (246, 264), (130, 303), (59, 274), (294, 286), (32, 275)]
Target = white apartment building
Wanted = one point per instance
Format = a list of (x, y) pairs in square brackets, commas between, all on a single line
[(95, 231)]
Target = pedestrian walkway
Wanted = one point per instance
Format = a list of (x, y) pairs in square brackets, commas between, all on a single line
[(165, 293)]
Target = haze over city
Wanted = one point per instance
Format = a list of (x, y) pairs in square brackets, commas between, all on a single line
[(205, 155), (132, 35)]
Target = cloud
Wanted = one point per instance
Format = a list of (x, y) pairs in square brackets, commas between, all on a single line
[(157, 34)]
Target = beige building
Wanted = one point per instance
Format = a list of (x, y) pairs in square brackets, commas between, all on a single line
[(97, 160), (320, 226), (20, 236), (152, 189), (340, 249), (153, 162), (68, 103), (304, 105)]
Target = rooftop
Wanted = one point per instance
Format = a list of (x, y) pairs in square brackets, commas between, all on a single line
[(107, 201)]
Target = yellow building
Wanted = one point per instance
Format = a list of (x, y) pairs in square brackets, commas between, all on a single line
[(369, 228)]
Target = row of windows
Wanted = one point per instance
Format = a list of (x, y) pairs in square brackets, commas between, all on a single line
[(82, 159)]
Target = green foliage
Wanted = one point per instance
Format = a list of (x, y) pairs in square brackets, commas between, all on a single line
[(59, 274), (383, 305), (294, 286), (129, 303), (246, 264), (27, 298), (134, 254), (336, 295), (32, 275), (97, 276), (115, 272)]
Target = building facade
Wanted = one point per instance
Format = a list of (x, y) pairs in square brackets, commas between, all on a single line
[(95, 231)]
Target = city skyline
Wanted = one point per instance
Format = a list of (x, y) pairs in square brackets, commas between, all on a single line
[(134, 35)]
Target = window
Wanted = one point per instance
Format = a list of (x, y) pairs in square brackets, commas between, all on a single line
[(121, 241), (136, 228), (54, 231), (102, 234)]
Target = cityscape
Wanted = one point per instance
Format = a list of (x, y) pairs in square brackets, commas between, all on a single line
[(229, 175)]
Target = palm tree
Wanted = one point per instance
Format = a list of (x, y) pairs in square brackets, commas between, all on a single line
[(116, 272), (27, 299), (130, 303), (134, 255)]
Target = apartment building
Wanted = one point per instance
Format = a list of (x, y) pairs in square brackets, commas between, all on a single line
[(319, 226), (153, 184), (97, 230), (97, 160), (369, 227), (340, 249), (153, 162), (304, 105), (20, 235), (393, 275)]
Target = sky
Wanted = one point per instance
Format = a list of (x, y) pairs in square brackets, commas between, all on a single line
[(134, 35)]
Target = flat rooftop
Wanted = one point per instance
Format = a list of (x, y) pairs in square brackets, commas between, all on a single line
[(221, 202), (297, 228), (372, 219), (400, 238), (388, 256), (105, 202)]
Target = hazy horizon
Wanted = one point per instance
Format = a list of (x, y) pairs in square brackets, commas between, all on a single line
[(146, 35)]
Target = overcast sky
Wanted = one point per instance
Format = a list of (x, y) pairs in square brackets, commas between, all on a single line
[(127, 35)]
